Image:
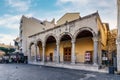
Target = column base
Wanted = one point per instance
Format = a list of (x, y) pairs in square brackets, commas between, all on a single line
[(43, 62), (95, 64), (57, 62), (72, 62), (35, 60)]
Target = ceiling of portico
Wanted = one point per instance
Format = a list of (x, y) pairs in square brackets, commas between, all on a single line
[(84, 33), (50, 39), (65, 37)]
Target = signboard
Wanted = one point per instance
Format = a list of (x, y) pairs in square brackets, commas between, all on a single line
[(87, 56)]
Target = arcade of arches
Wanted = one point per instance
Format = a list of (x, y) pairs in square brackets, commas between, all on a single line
[(66, 48)]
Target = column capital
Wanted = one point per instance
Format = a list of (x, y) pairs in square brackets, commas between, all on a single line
[(35, 43), (57, 42), (43, 44), (73, 41), (95, 39)]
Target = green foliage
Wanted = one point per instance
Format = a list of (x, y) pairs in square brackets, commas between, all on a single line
[(7, 50), (11, 50)]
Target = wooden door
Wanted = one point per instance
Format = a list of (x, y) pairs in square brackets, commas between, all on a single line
[(67, 54)]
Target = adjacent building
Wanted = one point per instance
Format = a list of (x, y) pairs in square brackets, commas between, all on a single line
[(30, 26), (73, 39), (6, 46), (17, 44)]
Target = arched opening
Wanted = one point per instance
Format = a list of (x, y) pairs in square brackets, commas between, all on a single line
[(32, 51), (50, 50), (84, 47), (65, 48), (39, 51)]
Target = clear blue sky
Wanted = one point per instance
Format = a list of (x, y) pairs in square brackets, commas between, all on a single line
[(12, 10)]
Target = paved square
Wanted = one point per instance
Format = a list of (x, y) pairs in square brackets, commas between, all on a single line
[(32, 72)]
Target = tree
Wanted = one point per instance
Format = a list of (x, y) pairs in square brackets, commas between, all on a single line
[(7, 50), (112, 40), (4, 49), (11, 50)]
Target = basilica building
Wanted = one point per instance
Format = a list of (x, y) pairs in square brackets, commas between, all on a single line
[(70, 40)]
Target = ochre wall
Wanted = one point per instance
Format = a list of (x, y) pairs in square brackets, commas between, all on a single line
[(103, 34), (81, 46), (50, 48)]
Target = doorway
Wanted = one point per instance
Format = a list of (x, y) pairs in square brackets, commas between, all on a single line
[(51, 57), (67, 54)]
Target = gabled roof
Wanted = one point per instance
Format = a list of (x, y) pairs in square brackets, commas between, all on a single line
[(68, 17)]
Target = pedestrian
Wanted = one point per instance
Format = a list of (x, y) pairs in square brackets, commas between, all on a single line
[(103, 59)]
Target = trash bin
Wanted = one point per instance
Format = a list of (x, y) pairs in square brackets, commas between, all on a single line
[(111, 70)]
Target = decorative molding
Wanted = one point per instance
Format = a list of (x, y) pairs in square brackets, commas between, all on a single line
[(72, 24), (65, 33), (66, 28), (60, 30), (55, 31), (50, 34), (60, 26)]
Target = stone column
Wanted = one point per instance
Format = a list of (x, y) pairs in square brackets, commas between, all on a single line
[(35, 52), (95, 54), (29, 55), (38, 52), (43, 56), (58, 52), (73, 52), (99, 53)]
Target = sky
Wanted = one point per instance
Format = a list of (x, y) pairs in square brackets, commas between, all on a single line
[(12, 10)]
